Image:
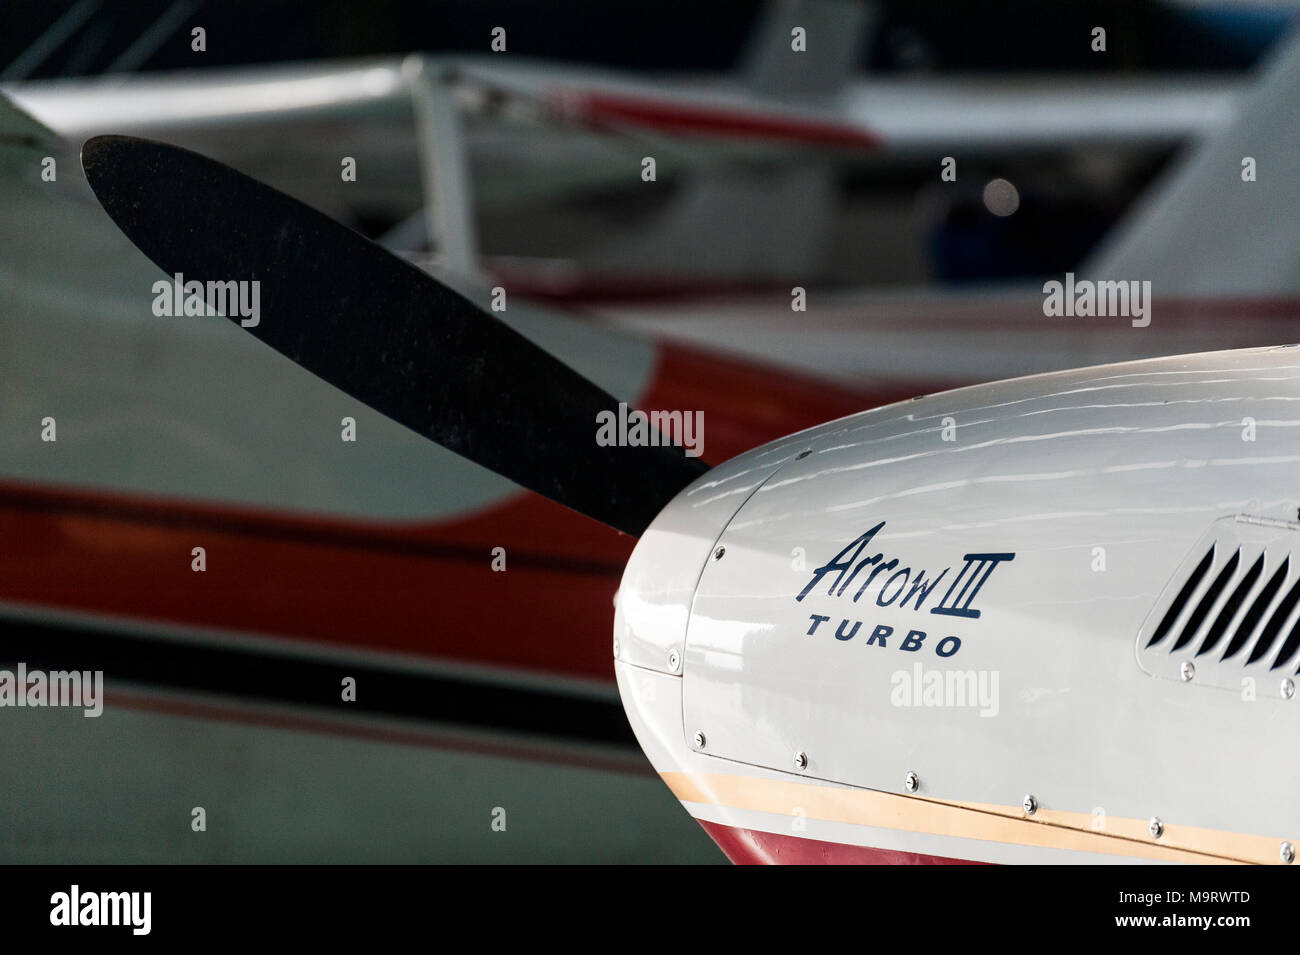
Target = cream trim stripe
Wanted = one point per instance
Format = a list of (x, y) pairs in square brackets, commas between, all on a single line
[(1048, 828)]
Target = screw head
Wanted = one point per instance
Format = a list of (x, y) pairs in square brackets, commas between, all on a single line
[(1156, 828), (1029, 804), (1288, 688), (911, 782), (616, 646), (699, 739), (801, 760), (803, 454), (717, 554), (1187, 671), (674, 660), (1287, 853)]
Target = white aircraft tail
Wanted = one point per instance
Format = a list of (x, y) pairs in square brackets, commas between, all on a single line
[(1223, 221), (835, 31)]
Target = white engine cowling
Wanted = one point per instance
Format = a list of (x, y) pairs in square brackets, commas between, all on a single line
[(1051, 619)]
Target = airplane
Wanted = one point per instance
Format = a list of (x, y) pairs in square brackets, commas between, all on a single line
[(1049, 619), (325, 560), (805, 636), (494, 130), (675, 279), (111, 589)]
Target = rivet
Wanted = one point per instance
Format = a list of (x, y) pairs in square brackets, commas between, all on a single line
[(1030, 804), (1288, 688), (616, 648), (717, 554), (1287, 853), (674, 660), (1187, 671), (1156, 828), (699, 739), (911, 782)]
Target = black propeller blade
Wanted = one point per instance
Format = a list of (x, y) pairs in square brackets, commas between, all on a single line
[(383, 331)]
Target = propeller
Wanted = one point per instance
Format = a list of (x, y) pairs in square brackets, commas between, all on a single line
[(383, 331)]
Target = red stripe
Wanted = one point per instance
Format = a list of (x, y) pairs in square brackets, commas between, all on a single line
[(422, 587), (711, 120), (754, 847)]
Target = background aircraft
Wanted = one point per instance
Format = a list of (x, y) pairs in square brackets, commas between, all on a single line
[(321, 564), (526, 175)]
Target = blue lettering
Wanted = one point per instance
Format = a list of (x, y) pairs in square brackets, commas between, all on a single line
[(841, 635), (912, 642)]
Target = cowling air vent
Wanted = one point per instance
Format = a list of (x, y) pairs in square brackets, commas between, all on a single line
[(1232, 609)]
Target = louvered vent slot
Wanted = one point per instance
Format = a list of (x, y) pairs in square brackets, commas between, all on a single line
[(1232, 606), (1275, 622), (1251, 620), (1179, 603), (1289, 647), (1208, 600)]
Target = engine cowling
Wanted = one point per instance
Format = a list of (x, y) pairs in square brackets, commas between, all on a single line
[(972, 627)]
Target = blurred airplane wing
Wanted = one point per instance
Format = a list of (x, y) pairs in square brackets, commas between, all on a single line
[(18, 129), (880, 114)]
